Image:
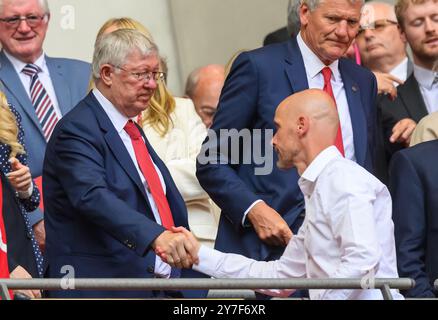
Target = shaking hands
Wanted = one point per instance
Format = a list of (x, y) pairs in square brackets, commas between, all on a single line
[(177, 247)]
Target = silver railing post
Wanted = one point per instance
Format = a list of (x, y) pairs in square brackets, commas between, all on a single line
[(4, 292)]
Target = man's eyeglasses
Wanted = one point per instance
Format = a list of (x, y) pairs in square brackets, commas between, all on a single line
[(145, 76), (31, 20), (378, 25)]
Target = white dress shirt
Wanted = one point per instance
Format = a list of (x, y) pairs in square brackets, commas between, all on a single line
[(44, 77), (315, 79), (400, 71), (119, 121), (429, 91), (347, 233)]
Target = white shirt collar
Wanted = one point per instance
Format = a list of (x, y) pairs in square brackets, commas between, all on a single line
[(117, 118), (19, 65), (313, 64), (424, 76), (401, 70), (312, 172)]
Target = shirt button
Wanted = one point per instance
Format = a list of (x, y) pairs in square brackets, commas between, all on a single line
[(151, 269)]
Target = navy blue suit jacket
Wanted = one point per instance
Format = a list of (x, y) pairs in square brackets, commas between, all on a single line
[(70, 79), (258, 82), (413, 181), (98, 218)]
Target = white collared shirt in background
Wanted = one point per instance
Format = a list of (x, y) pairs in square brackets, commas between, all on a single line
[(119, 121), (347, 233), (400, 71), (428, 90), (44, 77)]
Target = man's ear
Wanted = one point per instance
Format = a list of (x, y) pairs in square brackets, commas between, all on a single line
[(402, 34), (106, 72), (304, 14), (302, 125)]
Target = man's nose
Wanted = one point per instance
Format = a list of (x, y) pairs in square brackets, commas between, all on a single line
[(23, 27)]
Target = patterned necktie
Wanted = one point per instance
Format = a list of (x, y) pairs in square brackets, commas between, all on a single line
[(150, 174), (327, 74), (435, 80), (41, 101)]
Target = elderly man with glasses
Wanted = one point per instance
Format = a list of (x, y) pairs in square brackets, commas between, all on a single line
[(42, 89), (110, 200)]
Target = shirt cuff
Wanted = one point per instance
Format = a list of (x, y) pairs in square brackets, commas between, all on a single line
[(245, 223), (26, 194), (209, 259)]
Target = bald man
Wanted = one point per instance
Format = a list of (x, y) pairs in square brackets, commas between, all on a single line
[(204, 87), (347, 231)]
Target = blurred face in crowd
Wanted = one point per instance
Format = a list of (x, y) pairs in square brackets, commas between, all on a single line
[(207, 92), (129, 91), (330, 28), (23, 39), (420, 28), (379, 36)]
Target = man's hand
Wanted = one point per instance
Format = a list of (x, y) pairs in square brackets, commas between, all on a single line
[(20, 273), (385, 84), (269, 225), (20, 177), (191, 238), (40, 234), (175, 249), (402, 131)]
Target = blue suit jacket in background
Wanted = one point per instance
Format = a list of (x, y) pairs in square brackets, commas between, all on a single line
[(258, 82), (70, 79), (413, 182), (98, 218)]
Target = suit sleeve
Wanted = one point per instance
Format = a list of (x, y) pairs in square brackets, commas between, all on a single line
[(215, 169), (76, 159), (409, 215)]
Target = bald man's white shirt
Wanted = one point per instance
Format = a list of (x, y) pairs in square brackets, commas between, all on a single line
[(347, 233)]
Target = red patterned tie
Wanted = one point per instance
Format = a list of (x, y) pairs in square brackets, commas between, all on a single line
[(150, 174), (327, 74)]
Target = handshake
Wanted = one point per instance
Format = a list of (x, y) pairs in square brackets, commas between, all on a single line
[(178, 247)]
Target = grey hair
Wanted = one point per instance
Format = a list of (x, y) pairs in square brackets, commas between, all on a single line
[(313, 4), (293, 17), (114, 47), (43, 4)]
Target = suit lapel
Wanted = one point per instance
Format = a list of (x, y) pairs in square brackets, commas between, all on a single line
[(294, 67), (114, 142), (62, 90), (357, 114), (412, 99), (11, 81)]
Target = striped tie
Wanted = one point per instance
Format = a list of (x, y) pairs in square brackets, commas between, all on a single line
[(41, 101)]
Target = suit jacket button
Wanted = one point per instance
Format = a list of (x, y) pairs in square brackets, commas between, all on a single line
[(151, 269)]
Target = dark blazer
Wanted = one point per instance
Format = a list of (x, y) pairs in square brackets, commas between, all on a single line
[(70, 79), (414, 189), (277, 36), (20, 252), (98, 218), (408, 104), (258, 82)]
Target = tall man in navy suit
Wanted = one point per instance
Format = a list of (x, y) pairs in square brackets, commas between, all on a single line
[(261, 210), (108, 197), (23, 27)]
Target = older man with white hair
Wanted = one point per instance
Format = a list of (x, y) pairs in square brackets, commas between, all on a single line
[(109, 198)]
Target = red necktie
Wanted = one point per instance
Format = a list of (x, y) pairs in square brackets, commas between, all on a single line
[(150, 174), (327, 74)]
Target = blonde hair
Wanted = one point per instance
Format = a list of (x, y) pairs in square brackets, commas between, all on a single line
[(9, 128), (162, 104), (402, 5)]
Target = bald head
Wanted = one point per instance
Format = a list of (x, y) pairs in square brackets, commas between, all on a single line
[(307, 123), (204, 86)]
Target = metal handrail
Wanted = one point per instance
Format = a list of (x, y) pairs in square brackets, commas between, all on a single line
[(177, 284)]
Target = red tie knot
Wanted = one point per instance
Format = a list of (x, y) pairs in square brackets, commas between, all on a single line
[(132, 130), (327, 74)]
